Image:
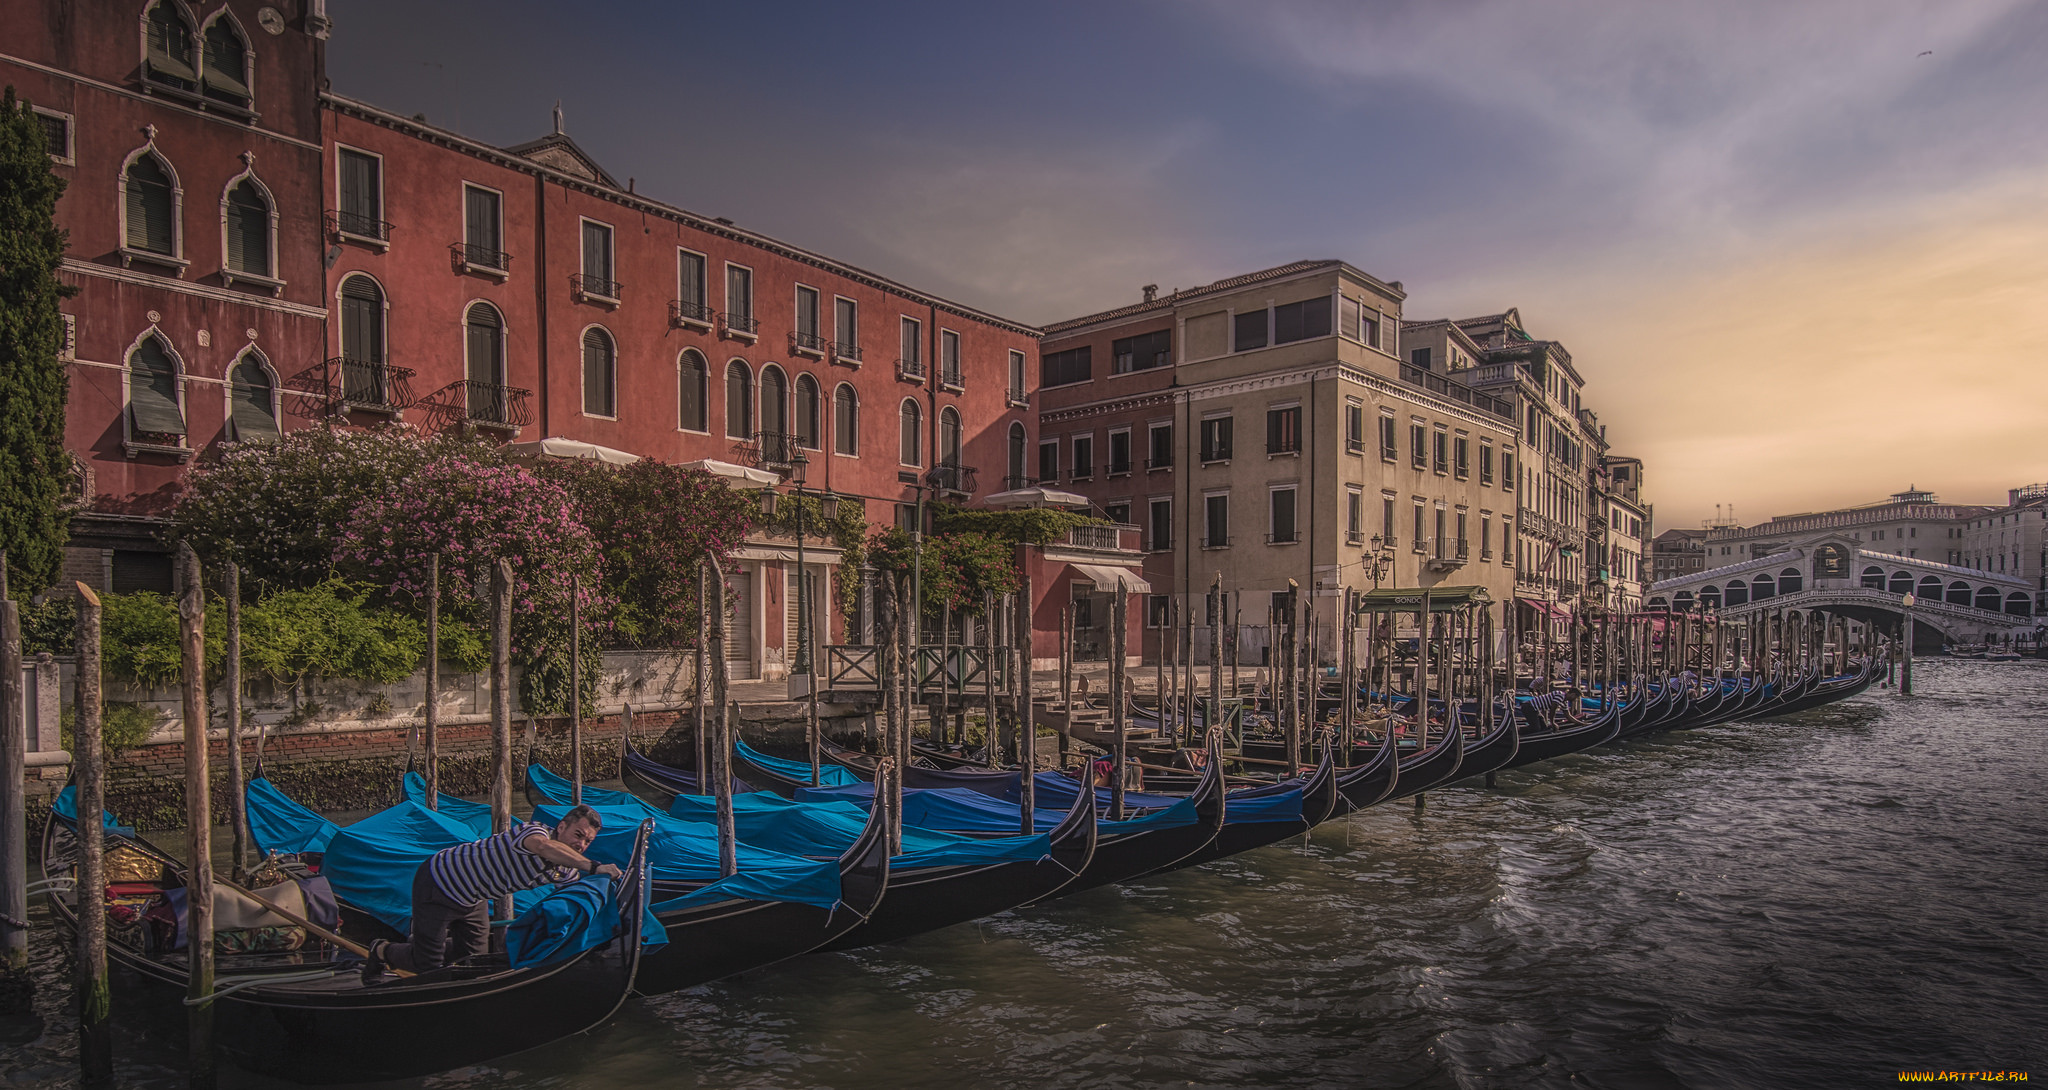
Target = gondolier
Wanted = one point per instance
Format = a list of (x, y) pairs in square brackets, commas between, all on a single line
[(452, 890)]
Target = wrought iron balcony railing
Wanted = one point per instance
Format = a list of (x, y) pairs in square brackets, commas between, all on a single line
[(1285, 537), (1354, 537), (950, 377), (1017, 398), (477, 256), (952, 477), (682, 312), (1159, 463), (808, 344), (841, 350), (1018, 482), (910, 370), (494, 404), (596, 287), (1215, 543), (356, 225), (374, 385), (744, 324), (777, 448)]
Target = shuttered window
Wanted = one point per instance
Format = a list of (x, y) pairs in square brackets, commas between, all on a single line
[(1216, 519), (151, 208), (598, 373), (845, 324), (597, 260), (227, 64), (949, 437), (253, 408), (153, 391), (1283, 430), (774, 401), (1216, 439), (484, 347), (691, 400), (739, 291), (170, 49), (739, 401), (362, 194), (690, 281), (248, 230), (362, 320), (480, 224), (912, 445), (1283, 515), (1301, 321), (846, 420), (807, 409)]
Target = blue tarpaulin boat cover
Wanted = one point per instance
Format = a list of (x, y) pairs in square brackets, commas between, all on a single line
[(579, 916), (960, 810), (829, 774), (1056, 790), (280, 824), (66, 807)]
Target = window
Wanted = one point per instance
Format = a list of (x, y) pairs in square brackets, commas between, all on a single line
[(691, 401), (910, 449), (360, 185), (152, 203), (1420, 543), (1142, 352), (246, 211), (252, 400), (1347, 317), (1485, 538), (807, 339), (1461, 534), (1119, 513), (597, 261), (600, 374), (1120, 451), (691, 305), (1461, 457), (846, 420), (1282, 511), (845, 329), (483, 234), (1387, 537), (949, 436), (949, 360), (1283, 430), (362, 342), (1048, 461), (1216, 439), (1439, 551), (807, 412), (1064, 368), (1418, 446), (1440, 448), (1162, 447), (1507, 472), (1161, 538), (1372, 331), (1301, 321), (1354, 427), (739, 401), (1248, 331), (1015, 477), (1354, 516), (1216, 520), (739, 298), (227, 64), (1485, 462), (1419, 357), (774, 410), (911, 359), (1017, 393), (1158, 611), (155, 412), (1390, 449), (484, 364), (168, 49), (57, 130), (1084, 457)]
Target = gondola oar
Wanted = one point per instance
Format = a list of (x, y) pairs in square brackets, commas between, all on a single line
[(349, 945)]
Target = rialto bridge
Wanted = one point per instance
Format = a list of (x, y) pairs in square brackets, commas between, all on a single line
[(1838, 575)]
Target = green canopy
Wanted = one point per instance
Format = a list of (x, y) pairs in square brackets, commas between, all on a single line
[(1409, 599)]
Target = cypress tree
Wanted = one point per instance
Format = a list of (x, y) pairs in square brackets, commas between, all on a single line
[(33, 381)]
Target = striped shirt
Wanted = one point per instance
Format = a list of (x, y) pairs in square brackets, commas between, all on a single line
[(499, 864)]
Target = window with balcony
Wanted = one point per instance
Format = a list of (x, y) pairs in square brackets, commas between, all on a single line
[(1216, 520), (1485, 538), (1161, 442), (600, 373), (1160, 537), (1354, 516), (1485, 462), (845, 329), (846, 420), (774, 425), (486, 399), (1462, 553), (949, 360), (1507, 472), (483, 230), (1387, 536), (1440, 445), (1390, 449), (1439, 542), (1301, 321), (693, 304), (1420, 542), (1066, 368), (1141, 353), (949, 436), (739, 401), (693, 379), (739, 300), (805, 339), (910, 349), (1084, 457), (1281, 502), (1216, 439), (1120, 452), (1018, 396), (364, 378), (361, 195), (1354, 427), (1283, 430), (598, 281)]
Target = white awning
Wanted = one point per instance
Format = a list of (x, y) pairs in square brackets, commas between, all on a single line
[(1036, 497), (557, 447), (726, 469), (1105, 578)]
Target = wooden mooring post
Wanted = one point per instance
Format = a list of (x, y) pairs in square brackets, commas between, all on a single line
[(1027, 727), (501, 707), (200, 1065), (238, 804), (721, 756), (575, 690), (17, 988), (430, 729), (89, 980)]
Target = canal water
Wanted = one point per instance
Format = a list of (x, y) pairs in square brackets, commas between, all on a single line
[(1823, 900)]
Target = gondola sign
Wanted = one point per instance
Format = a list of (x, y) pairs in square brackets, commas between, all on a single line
[(1405, 600)]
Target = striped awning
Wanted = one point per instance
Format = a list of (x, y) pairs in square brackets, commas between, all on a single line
[(1105, 578)]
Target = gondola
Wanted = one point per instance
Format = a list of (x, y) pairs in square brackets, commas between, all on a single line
[(1370, 783), (1495, 749), (1542, 745), (658, 783), (732, 935), (307, 1015), (1120, 855), (1433, 767), (1295, 806)]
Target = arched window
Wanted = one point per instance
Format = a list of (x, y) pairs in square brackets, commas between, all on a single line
[(1015, 478), (226, 73), (1873, 578), (1988, 598), (246, 211), (1762, 587), (1710, 597), (739, 401), (152, 204), (2019, 605), (1738, 592), (600, 373), (1789, 581), (911, 450), (1930, 589), (807, 410), (155, 412), (363, 380), (1682, 601), (1901, 583), (846, 420), (1959, 593), (484, 362), (168, 47), (949, 436), (774, 401), (252, 400), (692, 398)]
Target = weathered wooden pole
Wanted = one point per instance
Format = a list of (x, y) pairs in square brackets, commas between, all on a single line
[(13, 811), (1215, 716), (1118, 717), (95, 1001), (991, 740), (198, 820), (1347, 672), (501, 701), (1027, 729), (1066, 680), (899, 745), (431, 712), (700, 719), (721, 757), (1906, 649), (813, 732), (238, 809), (575, 690), (1422, 661)]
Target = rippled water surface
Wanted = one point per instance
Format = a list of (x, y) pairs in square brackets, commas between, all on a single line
[(1817, 901)]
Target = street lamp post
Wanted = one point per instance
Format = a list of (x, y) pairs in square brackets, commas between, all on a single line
[(800, 656)]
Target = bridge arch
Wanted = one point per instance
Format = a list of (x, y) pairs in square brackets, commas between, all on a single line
[(1762, 586), (1958, 593), (2019, 605), (1902, 582), (1930, 588), (1737, 593), (1873, 577), (1710, 596), (1988, 598), (1789, 581), (1682, 601)]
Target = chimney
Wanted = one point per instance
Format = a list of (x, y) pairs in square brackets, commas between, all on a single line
[(1151, 292), (2012, 497)]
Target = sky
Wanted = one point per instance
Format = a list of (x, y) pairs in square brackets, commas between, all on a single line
[(1798, 251)]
